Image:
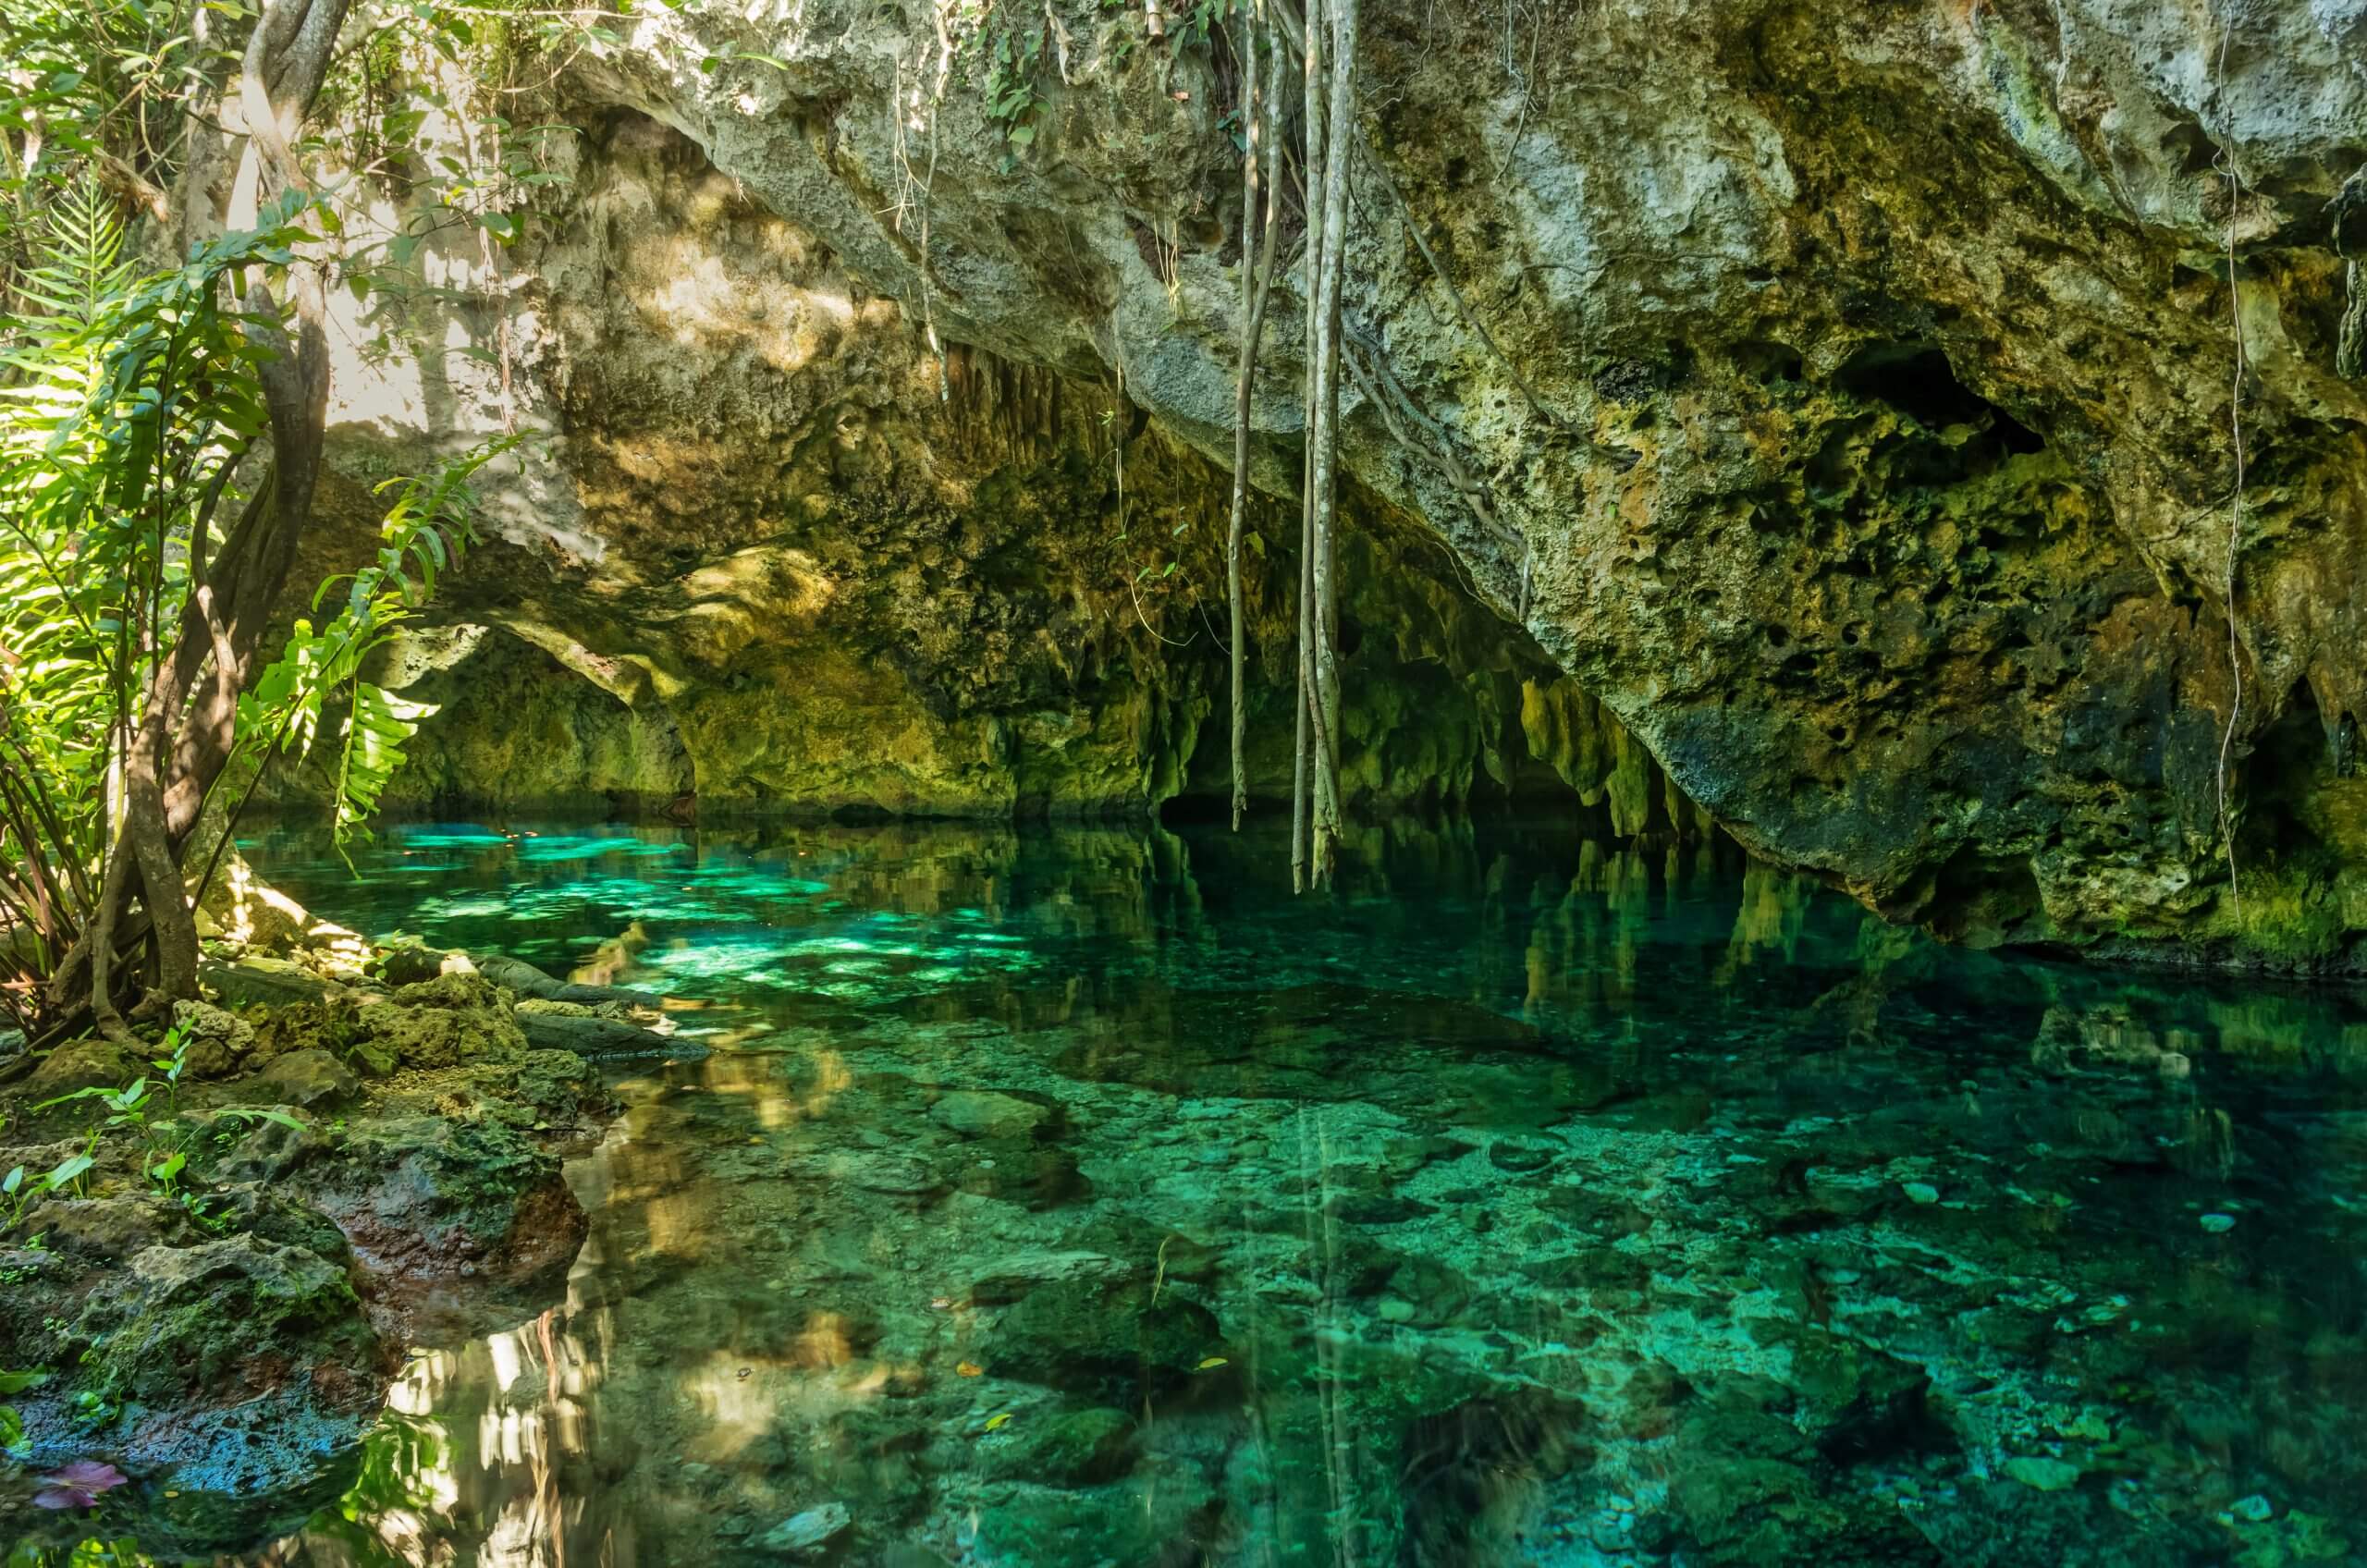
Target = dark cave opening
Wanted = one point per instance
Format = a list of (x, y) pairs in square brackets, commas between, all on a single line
[(1919, 380)]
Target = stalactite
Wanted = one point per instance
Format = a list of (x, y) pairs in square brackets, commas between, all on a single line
[(2350, 212)]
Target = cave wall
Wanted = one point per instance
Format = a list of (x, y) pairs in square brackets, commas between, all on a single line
[(774, 557), (1855, 411)]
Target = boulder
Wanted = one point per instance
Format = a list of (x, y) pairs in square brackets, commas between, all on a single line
[(976, 1113), (255, 980), (588, 1034), (83, 1064), (808, 1532), (307, 1078), (217, 1041), (228, 1318), (429, 1202), (445, 1021)]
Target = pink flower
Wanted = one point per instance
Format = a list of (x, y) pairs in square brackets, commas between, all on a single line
[(77, 1485)]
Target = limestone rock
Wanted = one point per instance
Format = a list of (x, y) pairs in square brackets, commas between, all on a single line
[(427, 1202), (976, 1113), (307, 1078), (227, 1316), (588, 1034), (90, 1063), (218, 1041), (1853, 410), (808, 1532), (441, 1022)]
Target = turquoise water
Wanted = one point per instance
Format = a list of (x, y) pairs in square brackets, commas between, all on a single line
[(1082, 1198)]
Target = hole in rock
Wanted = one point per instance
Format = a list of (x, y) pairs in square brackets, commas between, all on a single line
[(1919, 381)]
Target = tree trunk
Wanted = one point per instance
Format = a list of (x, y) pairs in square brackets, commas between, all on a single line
[(189, 712)]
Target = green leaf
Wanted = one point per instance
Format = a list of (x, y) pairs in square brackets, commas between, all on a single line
[(276, 1118)]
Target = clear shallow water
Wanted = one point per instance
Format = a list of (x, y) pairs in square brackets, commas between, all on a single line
[(1082, 1197)]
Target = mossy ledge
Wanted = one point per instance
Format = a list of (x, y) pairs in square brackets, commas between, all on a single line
[(349, 1161)]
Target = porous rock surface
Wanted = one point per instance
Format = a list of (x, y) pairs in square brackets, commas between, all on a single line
[(1854, 389)]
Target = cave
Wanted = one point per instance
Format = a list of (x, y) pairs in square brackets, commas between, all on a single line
[(1180, 782)]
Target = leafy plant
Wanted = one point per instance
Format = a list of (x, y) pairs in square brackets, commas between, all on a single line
[(1014, 66), (12, 1425), (15, 1196), (126, 1106), (127, 408), (172, 1063), (260, 1114), (128, 405), (427, 528)]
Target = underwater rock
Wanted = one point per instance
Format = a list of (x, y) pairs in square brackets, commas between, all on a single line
[(2041, 1473), (588, 1034), (873, 1170), (1091, 1334), (982, 1114), (810, 1531), (1860, 1402), (1008, 1279), (1149, 1521), (1070, 1447)]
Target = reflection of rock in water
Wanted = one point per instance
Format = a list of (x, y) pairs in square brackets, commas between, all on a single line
[(1469, 1478)]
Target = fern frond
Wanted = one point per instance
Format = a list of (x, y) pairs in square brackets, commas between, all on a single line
[(79, 271)]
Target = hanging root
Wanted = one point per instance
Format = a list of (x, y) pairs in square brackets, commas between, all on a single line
[(2350, 354), (1257, 285), (2235, 506), (1306, 785), (1340, 77)]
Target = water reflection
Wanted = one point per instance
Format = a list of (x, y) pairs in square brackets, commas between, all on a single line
[(1082, 1197)]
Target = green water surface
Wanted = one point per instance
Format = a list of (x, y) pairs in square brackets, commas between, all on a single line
[(1077, 1197)]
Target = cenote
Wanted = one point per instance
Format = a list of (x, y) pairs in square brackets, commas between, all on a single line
[(1183, 784), (1070, 1196)]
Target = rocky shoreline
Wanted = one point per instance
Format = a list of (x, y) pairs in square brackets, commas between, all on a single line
[(219, 1246)]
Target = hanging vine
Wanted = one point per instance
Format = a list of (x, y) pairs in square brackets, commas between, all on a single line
[(1259, 141), (2236, 503)]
